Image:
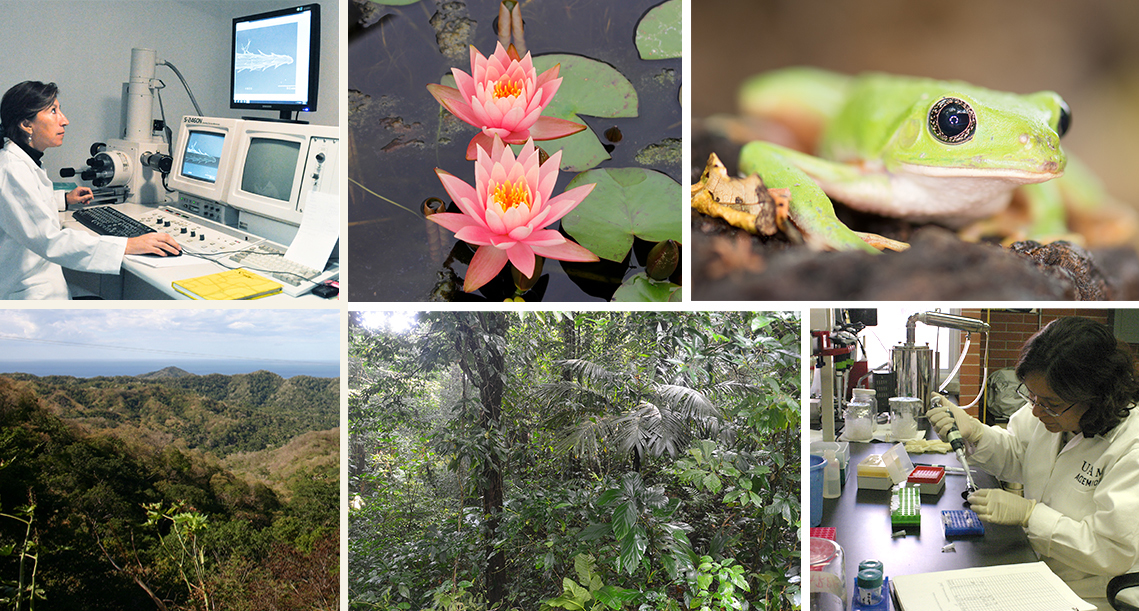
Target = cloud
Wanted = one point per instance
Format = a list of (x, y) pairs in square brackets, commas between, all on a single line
[(127, 333)]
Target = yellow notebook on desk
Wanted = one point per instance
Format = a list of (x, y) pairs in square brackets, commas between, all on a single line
[(231, 284)]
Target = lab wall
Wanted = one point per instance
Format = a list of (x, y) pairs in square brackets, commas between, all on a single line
[(84, 46), (1010, 329)]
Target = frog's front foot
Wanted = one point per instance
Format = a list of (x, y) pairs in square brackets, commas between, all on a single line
[(749, 204), (882, 242), (809, 209)]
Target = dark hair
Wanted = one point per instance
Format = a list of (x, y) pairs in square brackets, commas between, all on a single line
[(22, 103), (1082, 362)]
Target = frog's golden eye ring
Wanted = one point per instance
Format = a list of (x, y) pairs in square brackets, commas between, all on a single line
[(1065, 119), (952, 121)]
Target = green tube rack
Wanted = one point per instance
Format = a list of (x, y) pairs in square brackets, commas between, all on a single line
[(905, 508)]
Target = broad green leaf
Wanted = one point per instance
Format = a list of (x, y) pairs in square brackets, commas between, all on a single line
[(614, 597), (760, 321), (703, 580), (713, 483), (624, 518), (644, 289), (609, 496), (583, 565), (659, 32), (626, 202), (592, 88), (633, 549)]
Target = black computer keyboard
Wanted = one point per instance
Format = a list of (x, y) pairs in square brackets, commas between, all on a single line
[(105, 220)]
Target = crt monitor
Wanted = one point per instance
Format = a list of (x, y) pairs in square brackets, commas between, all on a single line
[(204, 155), (279, 166), (276, 61)]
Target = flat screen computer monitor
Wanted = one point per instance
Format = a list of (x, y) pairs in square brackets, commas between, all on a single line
[(204, 155), (279, 165), (276, 61)]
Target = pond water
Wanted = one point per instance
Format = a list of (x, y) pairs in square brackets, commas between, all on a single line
[(398, 135)]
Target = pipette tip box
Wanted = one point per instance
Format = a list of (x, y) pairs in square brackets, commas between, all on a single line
[(929, 479), (823, 532), (961, 523)]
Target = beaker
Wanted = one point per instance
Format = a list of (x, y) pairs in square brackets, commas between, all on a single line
[(904, 414), (828, 576), (860, 415)]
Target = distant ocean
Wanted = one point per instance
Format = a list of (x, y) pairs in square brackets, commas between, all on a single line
[(91, 369)]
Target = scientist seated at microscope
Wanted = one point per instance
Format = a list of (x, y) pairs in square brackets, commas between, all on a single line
[(33, 243)]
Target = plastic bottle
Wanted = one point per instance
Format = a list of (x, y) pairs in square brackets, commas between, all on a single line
[(869, 583), (832, 487)]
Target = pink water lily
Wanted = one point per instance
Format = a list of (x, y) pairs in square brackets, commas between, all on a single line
[(506, 212), (504, 96)]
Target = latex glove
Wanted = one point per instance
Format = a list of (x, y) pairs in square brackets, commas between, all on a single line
[(943, 415), (999, 507)]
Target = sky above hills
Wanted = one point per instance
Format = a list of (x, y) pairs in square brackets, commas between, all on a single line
[(197, 340)]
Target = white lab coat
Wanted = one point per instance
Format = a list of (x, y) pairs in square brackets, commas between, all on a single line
[(1085, 525), (33, 244)]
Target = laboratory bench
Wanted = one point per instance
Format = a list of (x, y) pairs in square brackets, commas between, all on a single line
[(149, 277), (861, 519)]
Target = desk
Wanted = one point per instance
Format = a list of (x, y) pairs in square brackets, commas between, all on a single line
[(137, 280), (862, 522)]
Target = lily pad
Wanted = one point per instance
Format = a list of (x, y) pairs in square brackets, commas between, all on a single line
[(395, 2), (626, 202), (589, 87), (658, 33), (640, 287)]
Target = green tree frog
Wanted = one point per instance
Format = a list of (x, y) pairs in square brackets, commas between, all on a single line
[(925, 150)]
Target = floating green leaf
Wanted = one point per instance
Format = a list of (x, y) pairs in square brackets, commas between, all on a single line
[(589, 87), (658, 33), (641, 288), (626, 202)]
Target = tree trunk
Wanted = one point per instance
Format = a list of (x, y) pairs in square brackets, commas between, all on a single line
[(485, 333), (569, 345)]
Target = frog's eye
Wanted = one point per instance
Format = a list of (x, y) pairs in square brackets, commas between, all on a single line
[(1065, 119), (952, 121)]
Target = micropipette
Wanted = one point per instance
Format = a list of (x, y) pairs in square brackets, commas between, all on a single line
[(958, 445)]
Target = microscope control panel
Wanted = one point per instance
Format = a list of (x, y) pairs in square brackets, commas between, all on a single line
[(198, 236)]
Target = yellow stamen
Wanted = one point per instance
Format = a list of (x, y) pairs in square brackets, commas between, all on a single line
[(506, 88), (510, 195)]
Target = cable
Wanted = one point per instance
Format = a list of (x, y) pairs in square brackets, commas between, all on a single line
[(193, 100)]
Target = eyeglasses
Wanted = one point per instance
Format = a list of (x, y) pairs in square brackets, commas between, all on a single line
[(1022, 391)]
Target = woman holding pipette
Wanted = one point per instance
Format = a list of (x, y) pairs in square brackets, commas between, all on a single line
[(33, 243), (1075, 448)]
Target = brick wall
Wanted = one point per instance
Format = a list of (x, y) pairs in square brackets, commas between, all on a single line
[(1009, 331)]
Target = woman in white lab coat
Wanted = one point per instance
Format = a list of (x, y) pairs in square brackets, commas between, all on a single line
[(1075, 448), (33, 244)]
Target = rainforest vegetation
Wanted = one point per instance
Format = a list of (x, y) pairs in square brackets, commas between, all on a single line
[(590, 460), (173, 492)]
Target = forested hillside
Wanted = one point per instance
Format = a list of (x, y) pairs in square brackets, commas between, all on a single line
[(219, 413), (114, 494), (590, 460)]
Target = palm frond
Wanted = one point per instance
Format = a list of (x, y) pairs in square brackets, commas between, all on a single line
[(688, 401), (585, 438), (588, 372)]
